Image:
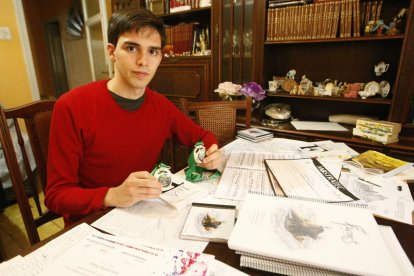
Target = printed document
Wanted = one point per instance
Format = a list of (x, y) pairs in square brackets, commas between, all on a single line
[(308, 178), (103, 254), (392, 200), (245, 172)]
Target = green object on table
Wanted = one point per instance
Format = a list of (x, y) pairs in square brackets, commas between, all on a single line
[(194, 173)]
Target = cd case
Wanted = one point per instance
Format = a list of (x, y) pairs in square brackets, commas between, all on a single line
[(209, 222)]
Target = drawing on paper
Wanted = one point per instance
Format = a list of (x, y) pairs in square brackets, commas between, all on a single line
[(207, 222), (301, 227), (351, 233)]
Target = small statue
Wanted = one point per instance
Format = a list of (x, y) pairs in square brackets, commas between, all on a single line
[(291, 74), (203, 46), (379, 27), (305, 84)]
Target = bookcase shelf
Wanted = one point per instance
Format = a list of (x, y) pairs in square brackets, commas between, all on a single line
[(379, 101), (345, 59), (339, 39), (189, 13)]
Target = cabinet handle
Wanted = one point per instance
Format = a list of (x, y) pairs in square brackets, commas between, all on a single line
[(216, 33), (174, 59)]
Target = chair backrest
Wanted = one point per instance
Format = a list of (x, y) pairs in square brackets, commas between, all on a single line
[(219, 117), (37, 118)]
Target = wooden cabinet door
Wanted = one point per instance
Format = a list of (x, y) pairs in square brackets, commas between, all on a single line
[(186, 77)]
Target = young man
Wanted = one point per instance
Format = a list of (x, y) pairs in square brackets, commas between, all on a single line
[(106, 136)]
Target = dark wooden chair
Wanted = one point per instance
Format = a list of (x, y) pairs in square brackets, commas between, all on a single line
[(36, 117), (219, 117)]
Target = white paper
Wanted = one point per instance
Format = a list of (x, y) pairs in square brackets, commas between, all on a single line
[(301, 178), (12, 267), (245, 172), (38, 260), (103, 254), (392, 200), (311, 233), (150, 220), (184, 194), (396, 250), (323, 126), (220, 268)]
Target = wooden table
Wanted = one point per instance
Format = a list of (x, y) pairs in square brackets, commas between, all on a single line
[(404, 233)]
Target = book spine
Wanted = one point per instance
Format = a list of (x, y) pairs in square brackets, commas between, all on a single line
[(269, 28), (379, 10)]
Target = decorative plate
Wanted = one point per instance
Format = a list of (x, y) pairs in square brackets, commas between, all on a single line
[(384, 88), (372, 87)]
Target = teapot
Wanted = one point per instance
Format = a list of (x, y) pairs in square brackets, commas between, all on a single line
[(381, 68)]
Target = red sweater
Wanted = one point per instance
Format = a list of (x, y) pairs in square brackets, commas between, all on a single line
[(95, 144)]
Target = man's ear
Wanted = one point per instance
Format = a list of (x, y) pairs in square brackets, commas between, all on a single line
[(111, 51)]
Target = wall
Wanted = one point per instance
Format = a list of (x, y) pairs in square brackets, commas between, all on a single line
[(14, 80)]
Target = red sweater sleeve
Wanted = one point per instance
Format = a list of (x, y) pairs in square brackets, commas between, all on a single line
[(64, 194)]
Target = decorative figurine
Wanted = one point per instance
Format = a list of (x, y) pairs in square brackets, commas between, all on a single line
[(379, 27), (291, 74), (381, 68), (305, 84)]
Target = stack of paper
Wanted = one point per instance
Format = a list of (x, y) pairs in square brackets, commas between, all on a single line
[(307, 236), (254, 134), (380, 131)]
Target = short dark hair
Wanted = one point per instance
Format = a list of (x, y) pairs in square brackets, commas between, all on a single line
[(134, 19)]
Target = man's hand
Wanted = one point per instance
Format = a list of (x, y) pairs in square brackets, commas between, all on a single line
[(213, 158), (138, 186)]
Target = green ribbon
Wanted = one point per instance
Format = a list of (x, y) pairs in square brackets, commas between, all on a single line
[(194, 173)]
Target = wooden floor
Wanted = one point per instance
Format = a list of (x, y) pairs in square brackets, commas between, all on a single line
[(12, 232)]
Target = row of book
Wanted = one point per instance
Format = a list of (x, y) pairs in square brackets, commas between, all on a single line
[(322, 20), (186, 38), (171, 6)]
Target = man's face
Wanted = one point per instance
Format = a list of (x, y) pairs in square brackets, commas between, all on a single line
[(136, 58)]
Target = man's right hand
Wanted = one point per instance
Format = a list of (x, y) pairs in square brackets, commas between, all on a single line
[(138, 186)]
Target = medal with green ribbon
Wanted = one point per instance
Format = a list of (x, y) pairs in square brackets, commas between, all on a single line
[(163, 174), (194, 173)]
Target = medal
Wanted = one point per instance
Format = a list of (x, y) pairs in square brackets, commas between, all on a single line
[(199, 153), (163, 174)]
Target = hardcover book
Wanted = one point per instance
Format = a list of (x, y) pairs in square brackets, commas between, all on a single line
[(376, 163)]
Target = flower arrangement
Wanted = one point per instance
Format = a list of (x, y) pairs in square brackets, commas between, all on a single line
[(254, 90), (228, 89)]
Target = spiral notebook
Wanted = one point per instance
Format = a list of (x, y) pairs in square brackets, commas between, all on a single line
[(306, 178), (290, 268), (312, 235)]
